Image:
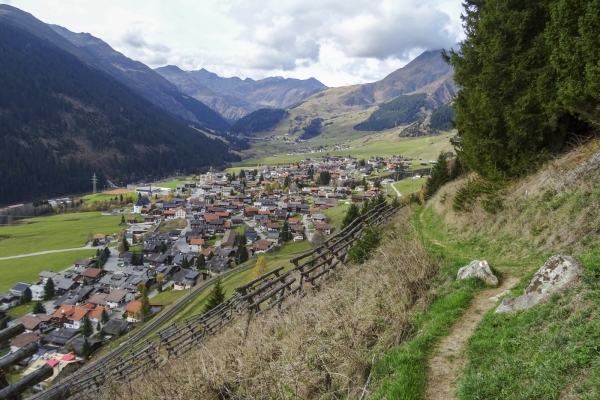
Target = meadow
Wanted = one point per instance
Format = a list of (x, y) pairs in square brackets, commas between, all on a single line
[(57, 232), (26, 269)]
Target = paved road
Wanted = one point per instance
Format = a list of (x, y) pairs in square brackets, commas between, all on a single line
[(39, 253), (306, 222)]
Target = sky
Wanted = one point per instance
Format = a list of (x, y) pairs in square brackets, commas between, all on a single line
[(339, 42)]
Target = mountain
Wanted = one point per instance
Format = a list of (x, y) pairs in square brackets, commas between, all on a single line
[(235, 97), (139, 77), (62, 120), (186, 84)]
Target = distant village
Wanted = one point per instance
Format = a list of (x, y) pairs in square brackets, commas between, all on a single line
[(226, 218)]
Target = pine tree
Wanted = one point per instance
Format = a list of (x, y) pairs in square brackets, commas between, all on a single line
[(87, 328), (215, 297), (201, 261), (122, 216), (104, 318), (352, 213), (49, 291), (163, 248), (26, 296), (39, 308), (439, 176), (210, 256), (241, 253), (86, 350), (98, 327), (286, 233), (145, 311), (184, 262), (125, 244)]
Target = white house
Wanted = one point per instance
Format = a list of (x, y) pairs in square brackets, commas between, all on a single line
[(180, 212), (37, 292)]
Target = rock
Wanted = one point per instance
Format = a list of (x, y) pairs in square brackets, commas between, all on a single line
[(479, 269), (558, 273)]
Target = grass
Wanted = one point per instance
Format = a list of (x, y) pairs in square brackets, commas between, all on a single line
[(26, 269), (335, 215), (56, 232), (168, 226), (166, 298), (171, 185), (407, 186), (100, 197), (20, 310), (403, 370)]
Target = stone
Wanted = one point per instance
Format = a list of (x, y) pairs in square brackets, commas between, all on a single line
[(479, 269), (499, 296), (557, 274)]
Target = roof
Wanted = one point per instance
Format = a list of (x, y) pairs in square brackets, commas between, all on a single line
[(197, 241), (25, 338), (95, 313), (61, 336), (19, 287), (229, 237), (91, 272), (133, 306), (99, 236), (113, 326), (116, 295), (52, 362), (98, 298), (30, 323)]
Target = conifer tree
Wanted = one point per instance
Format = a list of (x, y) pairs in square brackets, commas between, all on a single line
[(351, 214), (39, 308), (104, 317), (87, 328), (26, 296), (215, 297), (49, 291)]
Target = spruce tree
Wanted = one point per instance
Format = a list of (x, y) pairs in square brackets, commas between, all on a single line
[(86, 351), (87, 328), (145, 311), (104, 317), (201, 261), (352, 213), (49, 291), (26, 296), (215, 297), (39, 308), (439, 176)]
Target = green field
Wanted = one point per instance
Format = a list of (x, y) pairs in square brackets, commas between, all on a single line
[(408, 186), (90, 198), (54, 233), (170, 185), (26, 269), (335, 215), (380, 144)]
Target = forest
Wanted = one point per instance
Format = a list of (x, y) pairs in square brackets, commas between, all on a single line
[(442, 117), (312, 130), (259, 121), (529, 73), (62, 121), (402, 110)]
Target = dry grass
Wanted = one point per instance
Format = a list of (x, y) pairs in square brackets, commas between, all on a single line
[(322, 347)]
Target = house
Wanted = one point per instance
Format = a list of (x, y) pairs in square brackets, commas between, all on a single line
[(250, 234), (95, 314), (24, 339), (250, 212), (90, 275), (131, 238), (262, 246), (84, 263), (9, 300), (65, 284), (133, 308), (273, 236), (185, 279), (180, 212), (78, 343), (237, 220), (69, 316), (38, 323), (75, 296), (228, 239), (37, 292), (196, 245), (45, 275), (217, 265), (99, 299), (117, 298), (19, 288), (318, 218), (169, 214), (323, 228), (281, 215), (101, 238), (61, 337), (116, 328)]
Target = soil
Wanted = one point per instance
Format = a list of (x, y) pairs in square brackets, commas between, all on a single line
[(448, 362)]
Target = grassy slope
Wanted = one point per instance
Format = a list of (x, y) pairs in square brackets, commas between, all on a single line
[(548, 352), (27, 269), (56, 232)]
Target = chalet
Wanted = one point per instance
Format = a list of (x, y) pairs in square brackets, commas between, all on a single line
[(90, 275), (45, 275), (318, 218), (131, 238), (9, 300), (98, 299), (24, 339), (280, 215), (250, 234), (66, 284), (262, 246), (180, 212), (69, 316), (19, 288), (101, 238), (169, 214), (75, 296), (131, 220), (116, 328), (185, 279), (217, 265), (166, 270), (38, 323), (273, 236), (323, 228), (236, 221), (250, 212), (196, 244), (61, 337), (133, 308), (156, 259), (84, 263), (117, 298), (79, 341), (228, 239)]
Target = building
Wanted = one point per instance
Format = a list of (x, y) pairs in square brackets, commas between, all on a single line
[(133, 308)]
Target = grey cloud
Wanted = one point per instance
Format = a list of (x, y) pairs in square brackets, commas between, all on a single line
[(135, 39), (290, 34)]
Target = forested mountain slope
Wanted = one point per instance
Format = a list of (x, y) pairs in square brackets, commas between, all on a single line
[(62, 120)]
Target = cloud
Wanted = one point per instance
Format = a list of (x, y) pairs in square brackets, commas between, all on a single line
[(134, 38), (291, 34)]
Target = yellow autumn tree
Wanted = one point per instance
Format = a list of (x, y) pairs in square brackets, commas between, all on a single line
[(260, 268)]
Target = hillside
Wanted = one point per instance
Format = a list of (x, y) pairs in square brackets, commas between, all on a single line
[(144, 80), (402, 110), (260, 120), (63, 120)]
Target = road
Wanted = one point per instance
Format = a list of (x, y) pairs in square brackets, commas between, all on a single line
[(394, 187), (306, 222)]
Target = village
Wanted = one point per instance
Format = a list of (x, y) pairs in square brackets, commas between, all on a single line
[(220, 220)]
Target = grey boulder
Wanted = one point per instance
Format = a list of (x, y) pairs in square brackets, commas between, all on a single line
[(479, 269), (558, 273)]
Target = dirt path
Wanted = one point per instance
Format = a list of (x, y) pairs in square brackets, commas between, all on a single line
[(39, 253), (446, 365)]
